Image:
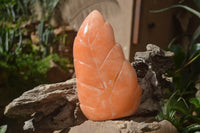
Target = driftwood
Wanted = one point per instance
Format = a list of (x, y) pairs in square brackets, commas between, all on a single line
[(55, 106), (151, 67)]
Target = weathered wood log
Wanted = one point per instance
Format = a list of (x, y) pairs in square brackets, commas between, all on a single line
[(151, 67), (55, 106)]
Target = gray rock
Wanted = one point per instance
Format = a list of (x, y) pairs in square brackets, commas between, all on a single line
[(123, 127), (51, 106), (43, 99)]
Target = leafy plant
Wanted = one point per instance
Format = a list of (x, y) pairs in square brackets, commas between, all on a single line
[(18, 65), (180, 105), (196, 103), (48, 7), (180, 114), (178, 108), (20, 10), (8, 38), (23, 65), (46, 38), (12, 10)]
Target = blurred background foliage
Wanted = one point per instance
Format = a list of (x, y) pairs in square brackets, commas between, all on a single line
[(31, 36), (27, 45), (182, 100)]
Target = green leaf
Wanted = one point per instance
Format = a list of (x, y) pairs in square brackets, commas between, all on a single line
[(1, 45), (171, 43), (179, 55), (195, 50), (13, 13), (11, 40), (51, 4), (189, 62), (193, 127), (179, 6), (3, 128), (54, 4), (167, 112), (64, 39), (195, 35), (196, 103), (20, 38), (6, 43), (41, 30), (194, 38)]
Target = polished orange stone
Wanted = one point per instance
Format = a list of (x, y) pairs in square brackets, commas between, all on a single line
[(106, 83)]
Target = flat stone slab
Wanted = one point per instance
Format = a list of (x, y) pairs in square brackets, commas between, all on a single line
[(123, 127)]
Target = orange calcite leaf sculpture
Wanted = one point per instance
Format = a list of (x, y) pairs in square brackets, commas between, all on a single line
[(106, 83)]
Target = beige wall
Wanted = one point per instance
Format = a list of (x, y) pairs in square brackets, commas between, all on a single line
[(122, 25)]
